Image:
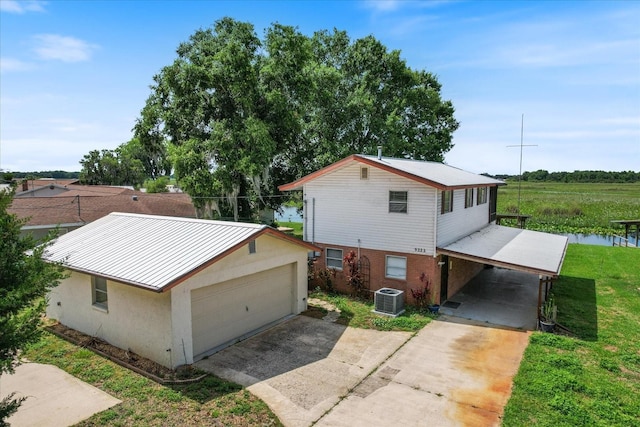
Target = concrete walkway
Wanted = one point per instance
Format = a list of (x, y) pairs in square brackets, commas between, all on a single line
[(54, 398)]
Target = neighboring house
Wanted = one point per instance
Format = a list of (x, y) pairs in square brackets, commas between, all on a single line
[(81, 204), (175, 290), (409, 219), (43, 187)]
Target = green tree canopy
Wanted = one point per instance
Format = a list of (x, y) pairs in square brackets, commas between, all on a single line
[(25, 278), (243, 115)]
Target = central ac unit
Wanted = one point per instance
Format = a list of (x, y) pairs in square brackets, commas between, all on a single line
[(389, 302)]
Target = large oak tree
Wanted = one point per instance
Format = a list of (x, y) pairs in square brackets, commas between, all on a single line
[(242, 115)]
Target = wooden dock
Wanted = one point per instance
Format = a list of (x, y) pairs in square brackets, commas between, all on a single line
[(628, 229)]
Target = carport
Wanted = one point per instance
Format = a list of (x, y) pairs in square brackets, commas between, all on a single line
[(515, 249)]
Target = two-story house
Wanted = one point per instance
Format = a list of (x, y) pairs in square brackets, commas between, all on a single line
[(411, 219)]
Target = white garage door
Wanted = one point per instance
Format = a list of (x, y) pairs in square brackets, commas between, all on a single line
[(223, 312)]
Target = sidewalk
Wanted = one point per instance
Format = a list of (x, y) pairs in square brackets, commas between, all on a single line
[(54, 398)]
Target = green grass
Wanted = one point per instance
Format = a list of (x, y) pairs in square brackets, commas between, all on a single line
[(593, 378), (297, 228), (358, 314), (572, 207), (211, 401)]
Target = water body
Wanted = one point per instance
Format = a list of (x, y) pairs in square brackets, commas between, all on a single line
[(289, 214), (594, 239)]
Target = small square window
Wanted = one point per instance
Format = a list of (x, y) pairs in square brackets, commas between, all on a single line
[(252, 247), (396, 267), (334, 258), (468, 197), (398, 201), (447, 201), (99, 292)]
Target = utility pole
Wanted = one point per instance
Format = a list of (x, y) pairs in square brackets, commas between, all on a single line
[(521, 146)]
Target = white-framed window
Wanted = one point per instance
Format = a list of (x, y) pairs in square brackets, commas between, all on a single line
[(333, 258), (398, 201), (482, 195), (364, 173), (99, 292), (447, 201), (468, 197), (252, 247), (396, 267)]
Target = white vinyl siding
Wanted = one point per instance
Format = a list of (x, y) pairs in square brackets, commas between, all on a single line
[(347, 209), (396, 267), (460, 222), (334, 258)]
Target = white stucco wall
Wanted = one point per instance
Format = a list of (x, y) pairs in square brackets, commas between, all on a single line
[(341, 209), (136, 319), (270, 253)]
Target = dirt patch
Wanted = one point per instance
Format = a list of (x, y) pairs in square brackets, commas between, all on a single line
[(128, 359)]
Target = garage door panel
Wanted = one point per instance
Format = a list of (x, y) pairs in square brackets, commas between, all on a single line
[(228, 310)]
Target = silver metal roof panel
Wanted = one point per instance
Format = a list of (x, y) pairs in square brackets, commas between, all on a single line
[(515, 248), (147, 250), (440, 173)]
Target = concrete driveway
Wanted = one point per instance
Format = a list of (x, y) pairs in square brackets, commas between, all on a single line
[(309, 371)]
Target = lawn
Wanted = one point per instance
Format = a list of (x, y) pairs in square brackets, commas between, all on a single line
[(593, 377), (572, 207), (358, 313), (211, 401)]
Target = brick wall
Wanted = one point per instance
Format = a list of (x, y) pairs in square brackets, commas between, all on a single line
[(416, 265), (460, 272)]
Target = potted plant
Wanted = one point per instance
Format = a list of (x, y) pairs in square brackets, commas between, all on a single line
[(548, 313)]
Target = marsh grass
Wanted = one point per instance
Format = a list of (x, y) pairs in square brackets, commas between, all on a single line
[(572, 207), (592, 379)]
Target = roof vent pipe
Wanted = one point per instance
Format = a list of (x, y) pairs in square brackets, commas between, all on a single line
[(379, 152), (134, 198)]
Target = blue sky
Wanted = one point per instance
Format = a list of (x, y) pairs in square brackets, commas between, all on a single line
[(75, 74)]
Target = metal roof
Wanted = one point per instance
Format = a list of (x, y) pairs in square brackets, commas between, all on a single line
[(151, 251), (438, 175), (514, 248)]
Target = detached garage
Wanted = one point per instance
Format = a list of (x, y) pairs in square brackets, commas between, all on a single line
[(175, 290)]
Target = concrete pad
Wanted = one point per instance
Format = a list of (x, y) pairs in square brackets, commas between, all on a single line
[(498, 296), (304, 367), (54, 398), (449, 374)]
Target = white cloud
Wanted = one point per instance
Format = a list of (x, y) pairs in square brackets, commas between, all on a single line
[(22, 6), (382, 5), (12, 64), (63, 48)]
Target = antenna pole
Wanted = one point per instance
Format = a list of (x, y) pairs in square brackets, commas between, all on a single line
[(521, 147), (520, 173)]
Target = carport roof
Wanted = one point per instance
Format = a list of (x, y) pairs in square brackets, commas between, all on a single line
[(153, 252), (513, 248)]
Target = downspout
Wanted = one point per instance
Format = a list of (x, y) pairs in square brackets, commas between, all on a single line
[(435, 223), (305, 211), (313, 220)]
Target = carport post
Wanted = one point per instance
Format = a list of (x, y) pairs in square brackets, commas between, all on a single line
[(540, 282)]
